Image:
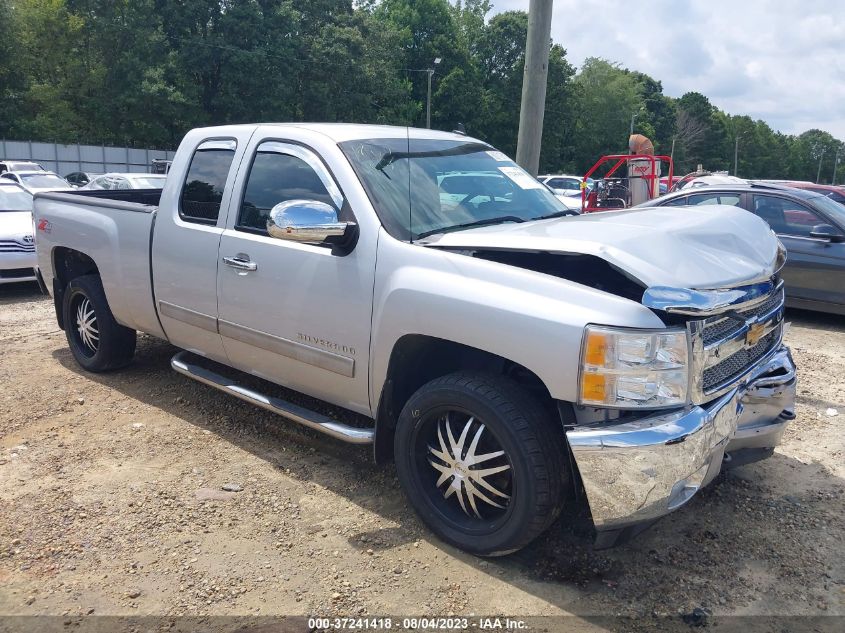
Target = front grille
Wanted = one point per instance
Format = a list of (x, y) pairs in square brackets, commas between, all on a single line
[(734, 366), (721, 355), (719, 327), (17, 273), (11, 246)]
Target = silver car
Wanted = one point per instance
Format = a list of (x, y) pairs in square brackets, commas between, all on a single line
[(35, 181)]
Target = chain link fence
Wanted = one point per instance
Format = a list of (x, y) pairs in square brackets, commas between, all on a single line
[(98, 159)]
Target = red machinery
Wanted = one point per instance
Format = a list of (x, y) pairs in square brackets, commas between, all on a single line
[(611, 192), (638, 183)]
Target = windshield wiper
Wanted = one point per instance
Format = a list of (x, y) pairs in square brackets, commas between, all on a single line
[(467, 225), (557, 214)]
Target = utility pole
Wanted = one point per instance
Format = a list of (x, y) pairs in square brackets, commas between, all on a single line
[(534, 79), (736, 154), (835, 163), (819, 172), (430, 73), (736, 150)]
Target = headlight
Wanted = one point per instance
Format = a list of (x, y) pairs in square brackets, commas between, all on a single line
[(633, 368)]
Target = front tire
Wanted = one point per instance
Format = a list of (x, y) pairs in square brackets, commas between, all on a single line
[(96, 340), (480, 462)]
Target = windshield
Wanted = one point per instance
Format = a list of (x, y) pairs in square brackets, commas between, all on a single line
[(832, 209), (15, 199), (148, 182), (422, 187), (43, 180)]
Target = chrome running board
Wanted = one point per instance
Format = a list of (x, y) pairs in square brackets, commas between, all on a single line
[(313, 420)]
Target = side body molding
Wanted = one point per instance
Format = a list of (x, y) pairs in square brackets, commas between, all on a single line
[(324, 359)]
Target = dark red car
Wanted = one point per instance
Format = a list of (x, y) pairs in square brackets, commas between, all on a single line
[(834, 192)]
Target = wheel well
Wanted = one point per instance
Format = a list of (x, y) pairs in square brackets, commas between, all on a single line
[(418, 359), (68, 264)]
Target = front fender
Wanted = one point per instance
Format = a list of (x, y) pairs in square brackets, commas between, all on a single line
[(530, 318)]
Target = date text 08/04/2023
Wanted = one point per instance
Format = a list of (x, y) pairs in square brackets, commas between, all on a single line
[(417, 623)]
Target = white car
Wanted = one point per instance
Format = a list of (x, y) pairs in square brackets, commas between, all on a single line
[(127, 181), (567, 188), (563, 184), (20, 165), (35, 181), (708, 181), (17, 246)]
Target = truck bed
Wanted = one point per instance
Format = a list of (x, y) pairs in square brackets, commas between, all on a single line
[(146, 197), (114, 229)]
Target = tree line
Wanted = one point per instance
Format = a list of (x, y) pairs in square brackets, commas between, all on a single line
[(143, 72)]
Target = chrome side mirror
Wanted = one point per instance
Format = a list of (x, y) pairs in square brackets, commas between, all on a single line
[(307, 221)]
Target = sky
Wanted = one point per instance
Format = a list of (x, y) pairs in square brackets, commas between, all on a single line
[(782, 61)]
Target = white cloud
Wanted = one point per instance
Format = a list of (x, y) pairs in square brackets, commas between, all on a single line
[(783, 61)]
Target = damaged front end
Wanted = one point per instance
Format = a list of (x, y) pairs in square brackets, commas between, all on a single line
[(742, 393), (709, 272)]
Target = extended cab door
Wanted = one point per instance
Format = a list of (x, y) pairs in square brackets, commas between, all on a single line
[(295, 313), (186, 239)]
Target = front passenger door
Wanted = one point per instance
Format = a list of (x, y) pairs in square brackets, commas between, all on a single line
[(813, 265), (295, 313)]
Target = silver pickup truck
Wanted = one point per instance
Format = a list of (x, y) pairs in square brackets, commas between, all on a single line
[(510, 356)]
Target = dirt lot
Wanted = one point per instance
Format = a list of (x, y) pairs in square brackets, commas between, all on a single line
[(111, 503)]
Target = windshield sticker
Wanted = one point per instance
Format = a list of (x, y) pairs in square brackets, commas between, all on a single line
[(499, 156), (522, 178)]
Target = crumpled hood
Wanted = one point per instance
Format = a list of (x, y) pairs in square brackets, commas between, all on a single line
[(15, 224), (702, 247)]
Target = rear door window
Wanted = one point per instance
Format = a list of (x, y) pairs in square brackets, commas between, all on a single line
[(202, 192)]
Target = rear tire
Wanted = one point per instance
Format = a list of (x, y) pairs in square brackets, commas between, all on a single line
[(497, 486), (96, 340)]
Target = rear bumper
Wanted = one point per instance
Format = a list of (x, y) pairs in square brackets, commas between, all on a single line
[(636, 472)]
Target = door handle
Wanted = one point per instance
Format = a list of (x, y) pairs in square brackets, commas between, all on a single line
[(240, 263)]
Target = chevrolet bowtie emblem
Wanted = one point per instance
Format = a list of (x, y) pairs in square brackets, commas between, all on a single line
[(755, 333)]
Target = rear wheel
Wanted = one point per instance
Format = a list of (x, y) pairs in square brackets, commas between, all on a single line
[(480, 462), (96, 340)]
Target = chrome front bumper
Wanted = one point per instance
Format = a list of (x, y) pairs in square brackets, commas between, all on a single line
[(636, 472)]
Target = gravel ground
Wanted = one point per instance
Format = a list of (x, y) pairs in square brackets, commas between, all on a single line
[(112, 502)]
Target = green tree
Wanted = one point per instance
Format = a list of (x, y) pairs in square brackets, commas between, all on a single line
[(812, 156), (426, 31), (607, 98), (702, 134), (657, 121), (144, 71), (12, 75)]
